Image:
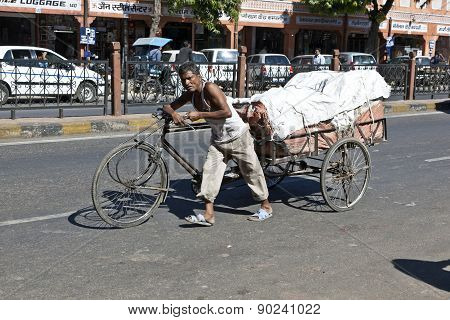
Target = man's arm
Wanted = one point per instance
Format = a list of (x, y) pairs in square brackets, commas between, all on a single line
[(178, 103), (217, 100)]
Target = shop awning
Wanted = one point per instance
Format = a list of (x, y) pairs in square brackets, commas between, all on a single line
[(153, 41)]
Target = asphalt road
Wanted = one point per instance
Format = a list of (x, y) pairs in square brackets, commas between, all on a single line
[(393, 245)]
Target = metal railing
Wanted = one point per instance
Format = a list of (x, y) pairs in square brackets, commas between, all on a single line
[(156, 83), (261, 77), (41, 84), (432, 80), (395, 75)]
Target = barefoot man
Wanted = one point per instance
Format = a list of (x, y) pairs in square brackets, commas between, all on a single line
[(230, 139)]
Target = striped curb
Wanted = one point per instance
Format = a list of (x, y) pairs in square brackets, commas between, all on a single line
[(53, 129)]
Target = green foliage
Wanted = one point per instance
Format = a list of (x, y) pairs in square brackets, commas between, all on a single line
[(336, 7), (208, 12)]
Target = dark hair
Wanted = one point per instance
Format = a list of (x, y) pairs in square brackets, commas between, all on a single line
[(186, 43), (189, 66), (318, 49)]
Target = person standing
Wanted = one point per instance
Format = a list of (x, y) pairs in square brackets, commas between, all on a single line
[(230, 139), (318, 58), (185, 53), (155, 54)]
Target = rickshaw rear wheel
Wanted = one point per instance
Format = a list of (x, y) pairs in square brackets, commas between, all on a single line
[(345, 174)]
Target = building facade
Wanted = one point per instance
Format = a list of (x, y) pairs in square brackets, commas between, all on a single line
[(272, 25)]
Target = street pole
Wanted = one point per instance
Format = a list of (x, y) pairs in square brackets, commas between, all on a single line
[(236, 33)]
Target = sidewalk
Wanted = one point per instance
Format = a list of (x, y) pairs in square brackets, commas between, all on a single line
[(50, 127)]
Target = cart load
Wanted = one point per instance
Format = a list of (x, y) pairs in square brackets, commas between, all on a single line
[(313, 110)]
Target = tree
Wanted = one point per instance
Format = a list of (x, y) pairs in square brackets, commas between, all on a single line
[(376, 12), (208, 12)]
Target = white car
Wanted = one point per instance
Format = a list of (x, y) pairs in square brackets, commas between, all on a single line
[(224, 64), (22, 74), (267, 69), (357, 61)]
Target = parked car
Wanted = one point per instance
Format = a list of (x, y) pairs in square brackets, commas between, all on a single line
[(307, 59), (22, 74), (357, 60), (171, 56), (269, 69), (223, 63), (420, 60)]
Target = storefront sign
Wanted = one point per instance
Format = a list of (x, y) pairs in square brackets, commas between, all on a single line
[(443, 29), (264, 18), (183, 13), (359, 23), (124, 8), (38, 5), (319, 20), (410, 27)]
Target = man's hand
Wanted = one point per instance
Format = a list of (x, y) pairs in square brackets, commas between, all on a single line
[(177, 119), (193, 115)]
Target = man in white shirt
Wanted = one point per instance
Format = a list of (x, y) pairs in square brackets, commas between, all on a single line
[(318, 58)]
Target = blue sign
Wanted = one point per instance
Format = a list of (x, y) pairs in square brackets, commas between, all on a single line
[(87, 35), (389, 42)]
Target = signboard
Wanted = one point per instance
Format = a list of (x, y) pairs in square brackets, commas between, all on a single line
[(122, 8), (409, 27), (183, 12), (314, 20), (359, 23), (431, 44), (87, 36), (38, 5), (442, 29), (264, 18), (389, 42)]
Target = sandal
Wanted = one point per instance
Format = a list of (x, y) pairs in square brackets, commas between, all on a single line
[(198, 219), (260, 215)]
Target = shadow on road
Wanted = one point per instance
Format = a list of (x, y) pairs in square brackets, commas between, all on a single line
[(297, 193), (436, 273), (89, 219)]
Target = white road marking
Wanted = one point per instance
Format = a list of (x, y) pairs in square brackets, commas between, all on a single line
[(438, 159), (42, 218)]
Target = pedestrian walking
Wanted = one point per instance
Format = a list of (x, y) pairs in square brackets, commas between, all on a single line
[(185, 53)]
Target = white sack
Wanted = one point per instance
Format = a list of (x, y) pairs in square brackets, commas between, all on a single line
[(312, 97)]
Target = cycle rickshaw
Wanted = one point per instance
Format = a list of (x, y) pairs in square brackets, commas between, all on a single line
[(132, 180)]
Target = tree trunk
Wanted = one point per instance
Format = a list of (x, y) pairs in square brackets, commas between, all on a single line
[(155, 19), (372, 46)]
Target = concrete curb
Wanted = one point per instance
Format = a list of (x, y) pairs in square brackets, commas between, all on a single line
[(52, 127), (37, 128), (416, 106)]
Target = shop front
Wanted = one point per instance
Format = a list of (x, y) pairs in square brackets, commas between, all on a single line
[(116, 21), (317, 32), (59, 33), (443, 42), (17, 29), (49, 24)]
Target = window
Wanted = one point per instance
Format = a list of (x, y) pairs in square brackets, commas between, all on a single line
[(21, 54), (436, 4), (363, 60), (165, 57), (280, 60), (209, 55), (227, 56), (8, 55), (199, 58), (405, 3)]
